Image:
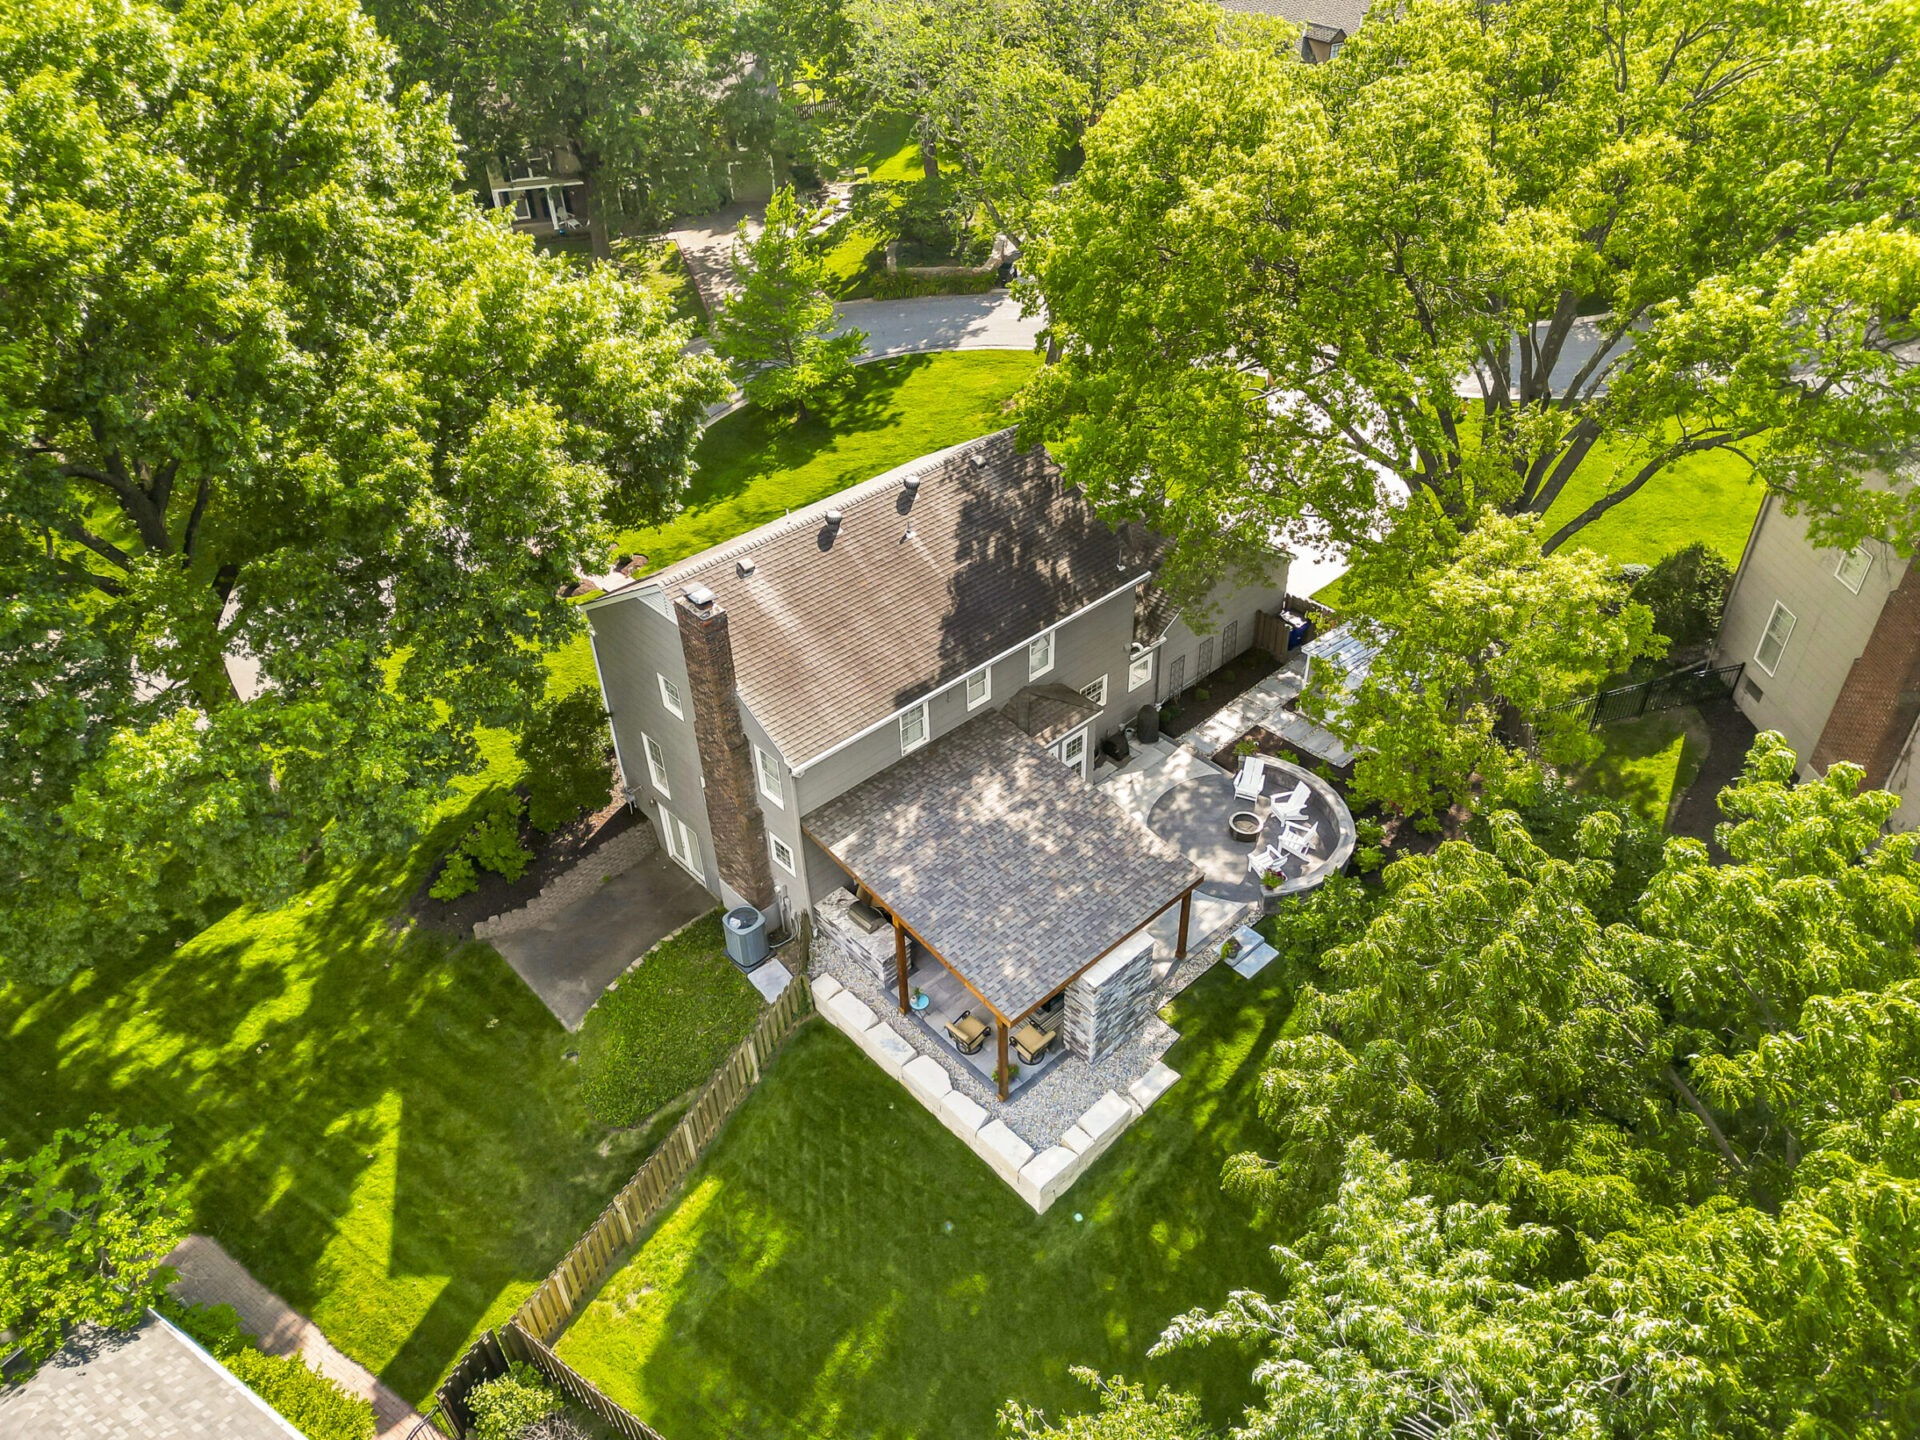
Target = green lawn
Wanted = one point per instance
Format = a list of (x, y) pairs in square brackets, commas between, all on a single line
[(891, 155), (754, 467), (842, 1265), (1648, 762), (1711, 497), (382, 1126), (655, 262)]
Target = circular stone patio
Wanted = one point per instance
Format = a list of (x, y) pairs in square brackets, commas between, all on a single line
[(1192, 815)]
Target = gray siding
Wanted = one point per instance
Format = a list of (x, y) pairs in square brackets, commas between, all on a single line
[(633, 644), (1085, 648), (783, 821), (1831, 626), (1231, 605)]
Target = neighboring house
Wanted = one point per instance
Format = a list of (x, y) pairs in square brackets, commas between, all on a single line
[(544, 190), (1325, 25), (1831, 644), (855, 696)]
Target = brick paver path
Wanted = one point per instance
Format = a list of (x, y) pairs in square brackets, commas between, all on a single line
[(210, 1276)]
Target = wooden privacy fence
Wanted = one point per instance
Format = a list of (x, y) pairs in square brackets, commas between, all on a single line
[(557, 1300), (495, 1350)]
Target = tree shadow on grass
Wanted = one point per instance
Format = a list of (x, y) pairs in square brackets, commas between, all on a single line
[(381, 1126), (841, 1264)]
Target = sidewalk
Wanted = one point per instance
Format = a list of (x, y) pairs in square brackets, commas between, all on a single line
[(210, 1276)]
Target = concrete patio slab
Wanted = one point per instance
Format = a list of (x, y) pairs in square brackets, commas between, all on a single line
[(569, 958), (770, 979)]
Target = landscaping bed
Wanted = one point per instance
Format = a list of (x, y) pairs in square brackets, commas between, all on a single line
[(1200, 700), (841, 1264), (553, 854)]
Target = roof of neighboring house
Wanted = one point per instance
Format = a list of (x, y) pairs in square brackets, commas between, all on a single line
[(1016, 872), (1331, 15), (152, 1383), (835, 628)]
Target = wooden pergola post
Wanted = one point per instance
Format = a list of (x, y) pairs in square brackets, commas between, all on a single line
[(1186, 914), (1000, 1026), (900, 961)]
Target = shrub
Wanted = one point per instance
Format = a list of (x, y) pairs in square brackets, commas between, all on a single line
[(508, 1406), (1369, 858), (215, 1328), (564, 750), (1686, 592), (494, 841), (902, 286), (313, 1404), (1370, 832), (457, 878), (663, 1026)]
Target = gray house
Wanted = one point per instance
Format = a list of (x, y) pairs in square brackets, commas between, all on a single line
[(1325, 25), (851, 701), (1831, 644)]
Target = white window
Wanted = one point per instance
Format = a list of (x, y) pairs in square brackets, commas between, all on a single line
[(670, 697), (656, 764), (782, 854), (768, 770), (979, 688), (913, 728), (1096, 692), (1139, 670), (1773, 644), (1852, 569), (1040, 656), (682, 844)]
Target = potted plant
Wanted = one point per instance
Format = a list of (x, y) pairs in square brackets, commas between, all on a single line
[(1230, 948), (1270, 896)]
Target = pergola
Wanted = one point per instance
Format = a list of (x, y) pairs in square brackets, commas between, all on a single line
[(1009, 869)]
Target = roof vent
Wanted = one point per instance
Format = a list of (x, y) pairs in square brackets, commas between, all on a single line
[(911, 484), (746, 565), (834, 517), (978, 459), (700, 597)]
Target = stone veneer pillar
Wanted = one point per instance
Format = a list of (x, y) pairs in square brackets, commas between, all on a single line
[(738, 825), (1875, 710)]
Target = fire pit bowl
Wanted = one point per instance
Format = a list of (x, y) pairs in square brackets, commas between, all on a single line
[(1244, 826)]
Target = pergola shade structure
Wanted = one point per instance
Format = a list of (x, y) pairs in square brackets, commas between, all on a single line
[(1007, 867)]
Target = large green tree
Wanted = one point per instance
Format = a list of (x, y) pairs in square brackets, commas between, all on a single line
[(275, 396), (651, 95), (1284, 295), (1478, 636), (85, 1221)]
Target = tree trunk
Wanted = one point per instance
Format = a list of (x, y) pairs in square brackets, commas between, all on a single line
[(599, 214), (929, 159)]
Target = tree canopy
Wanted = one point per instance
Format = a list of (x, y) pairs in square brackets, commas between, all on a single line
[(1483, 241), (1477, 635), (775, 330), (277, 398)]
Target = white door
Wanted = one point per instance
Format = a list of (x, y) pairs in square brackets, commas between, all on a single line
[(1073, 752), (682, 844)]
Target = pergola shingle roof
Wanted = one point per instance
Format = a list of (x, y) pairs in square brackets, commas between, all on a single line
[(1016, 872)]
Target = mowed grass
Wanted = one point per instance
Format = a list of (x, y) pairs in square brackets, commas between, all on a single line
[(382, 1126), (1649, 761), (842, 1265), (1712, 497), (754, 467)]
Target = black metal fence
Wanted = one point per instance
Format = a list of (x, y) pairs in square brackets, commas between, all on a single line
[(1647, 697)]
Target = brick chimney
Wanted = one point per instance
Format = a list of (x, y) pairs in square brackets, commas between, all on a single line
[(1876, 709), (733, 800)]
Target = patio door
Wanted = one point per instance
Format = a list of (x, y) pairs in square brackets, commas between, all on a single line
[(682, 844), (1073, 751)]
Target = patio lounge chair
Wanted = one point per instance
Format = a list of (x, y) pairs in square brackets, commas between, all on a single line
[(1295, 805), (967, 1032), (1262, 861), (1299, 840), (1252, 778), (1030, 1042)]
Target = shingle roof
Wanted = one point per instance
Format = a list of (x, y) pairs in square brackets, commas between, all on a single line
[(1018, 873), (1344, 15), (835, 629), (1049, 712)]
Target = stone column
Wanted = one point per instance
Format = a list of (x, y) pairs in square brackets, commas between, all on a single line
[(734, 817)]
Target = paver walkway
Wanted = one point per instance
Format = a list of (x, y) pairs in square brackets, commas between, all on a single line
[(210, 1276)]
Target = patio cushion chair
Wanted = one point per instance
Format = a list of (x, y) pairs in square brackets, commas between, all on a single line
[(1252, 778), (967, 1032), (1031, 1042)]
